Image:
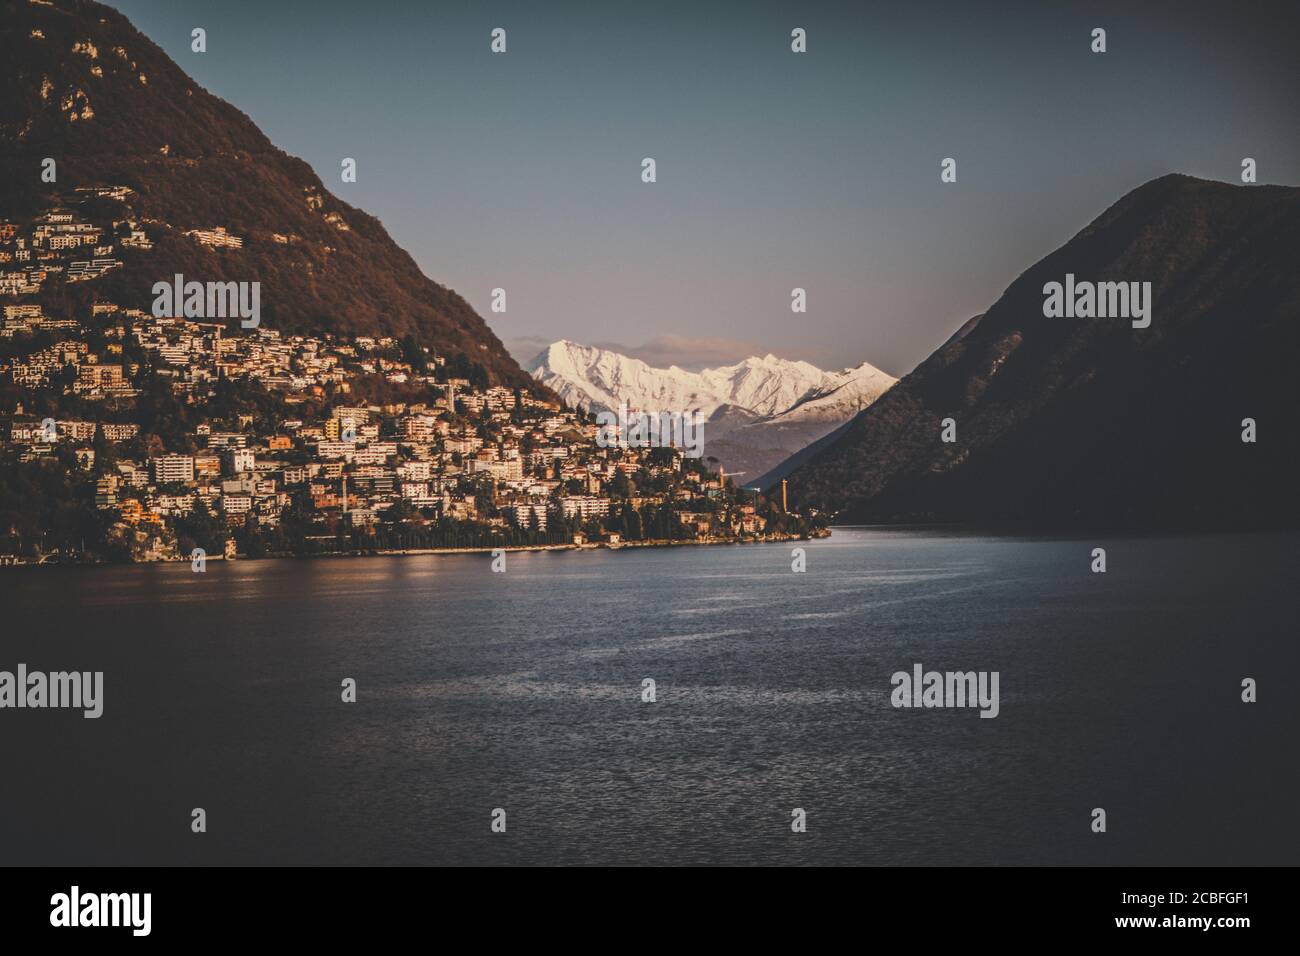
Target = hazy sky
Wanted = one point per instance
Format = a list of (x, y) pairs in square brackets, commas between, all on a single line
[(775, 169)]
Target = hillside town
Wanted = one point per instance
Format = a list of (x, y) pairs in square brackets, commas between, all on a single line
[(59, 244), (132, 437)]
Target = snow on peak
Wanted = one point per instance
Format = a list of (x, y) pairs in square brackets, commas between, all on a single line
[(596, 379)]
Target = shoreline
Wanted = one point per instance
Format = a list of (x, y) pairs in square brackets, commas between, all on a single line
[(408, 552)]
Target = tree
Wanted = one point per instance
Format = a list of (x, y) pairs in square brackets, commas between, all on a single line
[(207, 530), (400, 511), (621, 486), (249, 538), (105, 453), (414, 355)]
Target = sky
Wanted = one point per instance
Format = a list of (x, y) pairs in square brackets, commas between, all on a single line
[(775, 169)]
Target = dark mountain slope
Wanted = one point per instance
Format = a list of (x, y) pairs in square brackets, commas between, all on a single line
[(774, 475), (81, 85), (1090, 422)]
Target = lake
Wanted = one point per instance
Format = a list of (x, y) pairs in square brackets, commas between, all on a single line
[(523, 691)]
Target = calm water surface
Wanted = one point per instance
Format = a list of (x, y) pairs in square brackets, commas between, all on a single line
[(522, 691)]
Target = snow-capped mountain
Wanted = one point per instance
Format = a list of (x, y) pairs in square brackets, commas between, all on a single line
[(596, 379), (841, 396), (758, 411)]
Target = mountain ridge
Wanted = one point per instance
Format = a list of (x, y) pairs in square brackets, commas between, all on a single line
[(1090, 421), (758, 411), (595, 378), (86, 88)]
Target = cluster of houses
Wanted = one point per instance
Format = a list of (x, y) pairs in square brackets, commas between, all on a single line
[(60, 245), (490, 456), (447, 450)]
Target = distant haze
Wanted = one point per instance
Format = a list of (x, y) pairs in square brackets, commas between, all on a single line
[(775, 170)]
